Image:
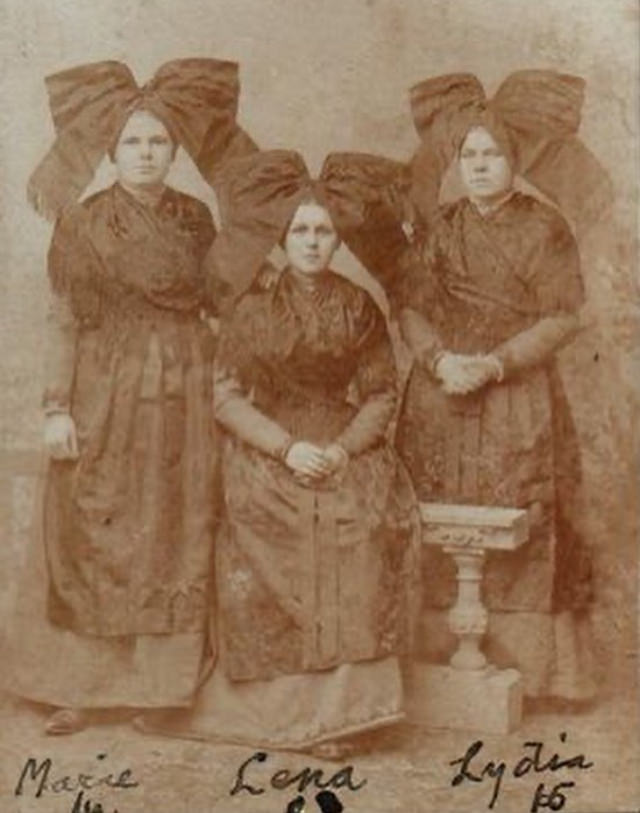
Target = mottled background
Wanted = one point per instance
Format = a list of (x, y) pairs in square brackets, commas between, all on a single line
[(333, 75)]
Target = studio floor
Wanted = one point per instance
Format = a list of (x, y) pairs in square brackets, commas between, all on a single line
[(407, 770)]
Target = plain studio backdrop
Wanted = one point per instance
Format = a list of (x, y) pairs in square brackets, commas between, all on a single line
[(325, 75)]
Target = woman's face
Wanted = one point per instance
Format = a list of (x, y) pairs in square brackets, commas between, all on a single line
[(485, 170), (144, 151), (311, 239)]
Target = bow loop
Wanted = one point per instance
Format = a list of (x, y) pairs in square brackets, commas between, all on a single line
[(198, 99), (366, 197), (262, 190), (541, 103), (443, 95), (257, 196), (87, 92), (360, 185)]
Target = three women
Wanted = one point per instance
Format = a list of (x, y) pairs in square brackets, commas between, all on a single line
[(315, 555)]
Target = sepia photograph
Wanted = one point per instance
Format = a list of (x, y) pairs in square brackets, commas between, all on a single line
[(320, 335)]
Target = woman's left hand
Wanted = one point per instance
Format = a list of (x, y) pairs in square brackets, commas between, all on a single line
[(336, 457), (485, 369), (212, 322), (307, 460)]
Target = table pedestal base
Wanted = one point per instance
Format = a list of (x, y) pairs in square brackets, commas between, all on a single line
[(486, 700)]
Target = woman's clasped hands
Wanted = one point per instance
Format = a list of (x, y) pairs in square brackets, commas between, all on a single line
[(461, 374), (312, 463)]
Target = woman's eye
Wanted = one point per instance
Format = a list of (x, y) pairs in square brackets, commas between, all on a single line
[(131, 140), (159, 140), (467, 154)]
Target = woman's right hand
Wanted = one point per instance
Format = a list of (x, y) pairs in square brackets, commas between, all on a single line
[(461, 374), (60, 437), (307, 460), (453, 373)]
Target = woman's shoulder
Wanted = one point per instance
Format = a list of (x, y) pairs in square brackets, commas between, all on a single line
[(355, 295), (95, 200), (444, 220), (254, 299), (434, 236), (364, 312), (247, 316), (86, 211), (79, 211), (77, 219), (542, 215), (447, 212), (186, 205)]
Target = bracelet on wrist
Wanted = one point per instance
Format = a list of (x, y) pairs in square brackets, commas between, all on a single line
[(49, 411), (283, 450), (498, 367), (53, 406), (435, 360), (344, 454), (55, 401)]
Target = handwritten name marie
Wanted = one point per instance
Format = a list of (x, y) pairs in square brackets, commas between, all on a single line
[(39, 777)]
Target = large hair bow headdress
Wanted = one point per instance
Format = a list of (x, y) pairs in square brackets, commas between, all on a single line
[(259, 194), (196, 99), (535, 115)]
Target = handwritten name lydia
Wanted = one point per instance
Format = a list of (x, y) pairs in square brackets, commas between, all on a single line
[(551, 795), (40, 778)]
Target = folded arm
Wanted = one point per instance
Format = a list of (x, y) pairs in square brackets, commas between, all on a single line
[(556, 277), (376, 385), (423, 340), (534, 345), (234, 410)]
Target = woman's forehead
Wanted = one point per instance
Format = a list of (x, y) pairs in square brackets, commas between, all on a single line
[(313, 214), (479, 137), (143, 123)]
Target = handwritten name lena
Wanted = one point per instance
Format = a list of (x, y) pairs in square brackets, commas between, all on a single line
[(472, 769), (39, 777), (291, 780)]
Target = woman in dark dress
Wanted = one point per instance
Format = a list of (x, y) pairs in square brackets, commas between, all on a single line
[(492, 294), (314, 561), (130, 504)]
